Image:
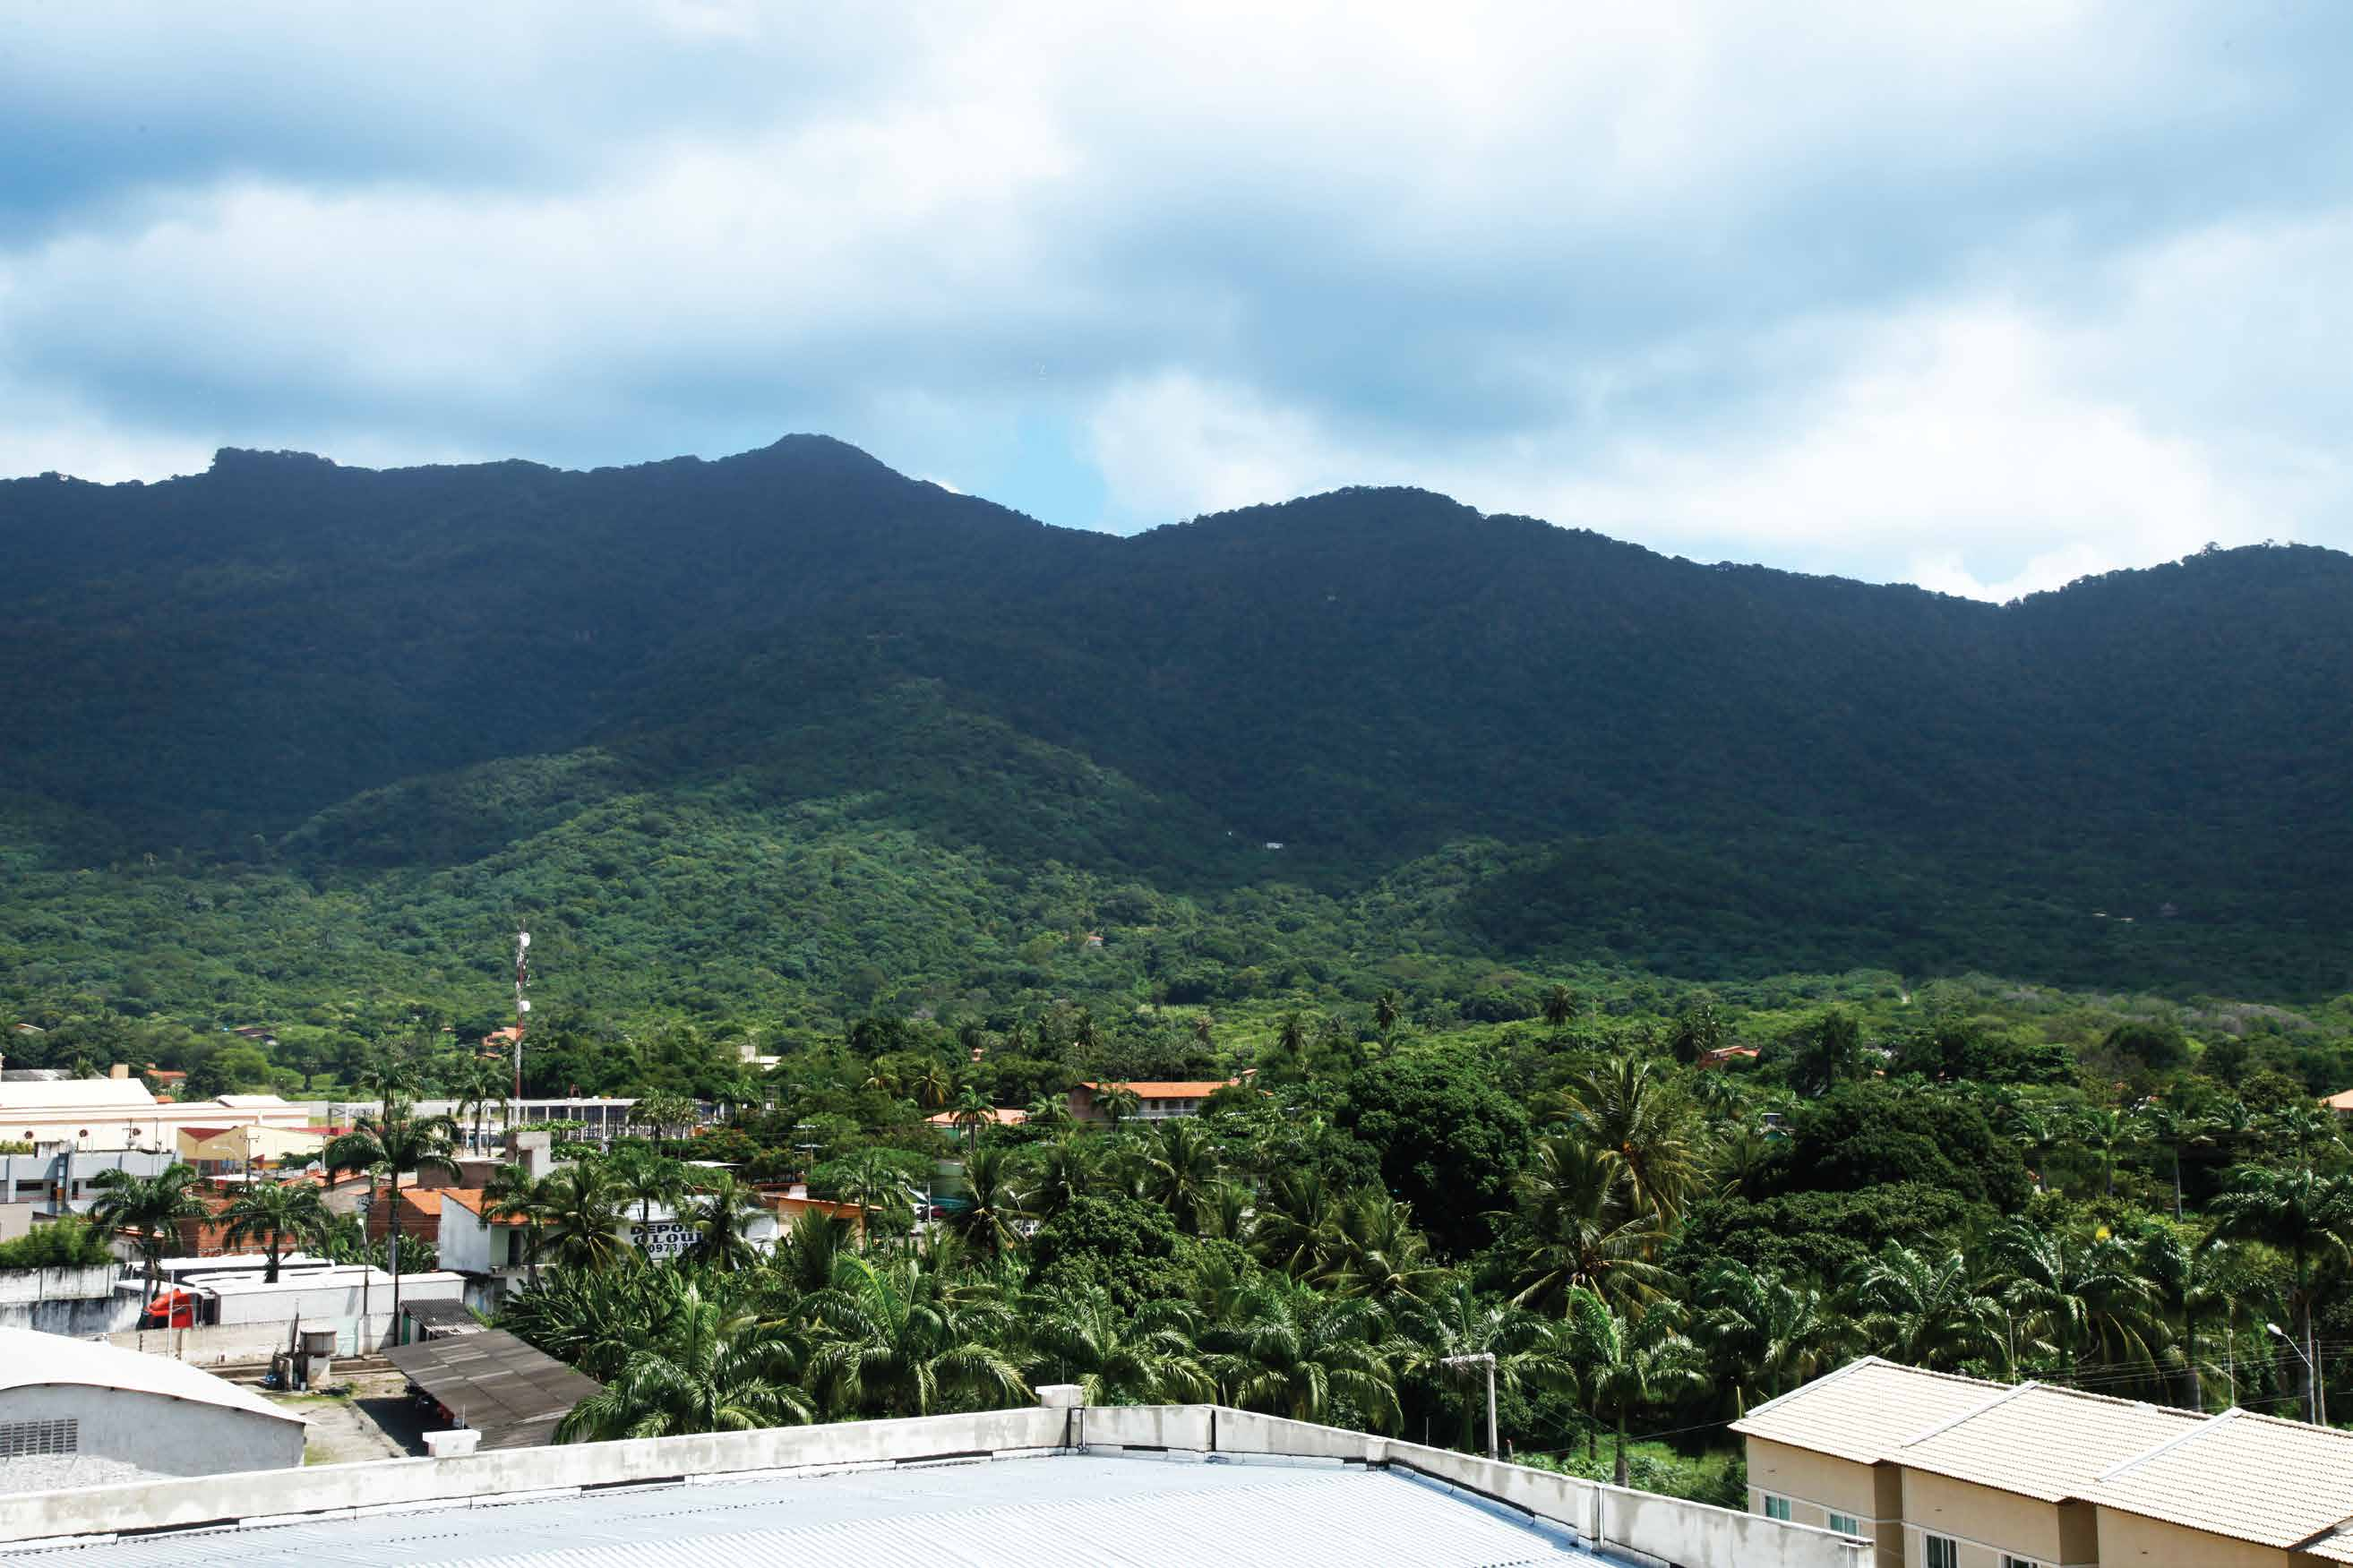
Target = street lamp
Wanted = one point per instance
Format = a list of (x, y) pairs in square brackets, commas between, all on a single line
[(1487, 1360), (2311, 1374)]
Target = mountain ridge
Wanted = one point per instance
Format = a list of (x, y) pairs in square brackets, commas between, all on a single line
[(1369, 675)]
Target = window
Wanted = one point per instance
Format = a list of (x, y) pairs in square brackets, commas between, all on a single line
[(2010, 1562), (23, 1439), (1843, 1523), (1776, 1507), (1940, 1551)]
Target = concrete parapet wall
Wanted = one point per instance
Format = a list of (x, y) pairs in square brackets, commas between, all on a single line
[(1665, 1528), (91, 1282)]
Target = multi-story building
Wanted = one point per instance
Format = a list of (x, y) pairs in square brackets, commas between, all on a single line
[(1942, 1471)]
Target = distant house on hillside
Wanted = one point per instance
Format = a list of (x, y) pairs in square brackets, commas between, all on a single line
[(1154, 1101), (1724, 1055)]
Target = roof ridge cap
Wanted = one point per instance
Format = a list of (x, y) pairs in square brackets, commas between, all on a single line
[(1971, 1414), (2176, 1441)]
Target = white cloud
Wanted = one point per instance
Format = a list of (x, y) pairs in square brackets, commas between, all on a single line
[(1981, 298)]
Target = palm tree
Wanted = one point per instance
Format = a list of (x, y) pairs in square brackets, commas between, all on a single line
[(805, 1258), (2174, 1130), (512, 1195), (972, 1112), (894, 1341), (2079, 1299), (2107, 1133), (1298, 1221), (1181, 1170), (2040, 1132), (579, 1212), (276, 1215), (1294, 1351), (1388, 1008), (1628, 1363), (1578, 1231), (663, 1112), (1638, 1128), (1064, 1171), (150, 1208), (396, 1139), (1451, 1322), (879, 1188), (1050, 1112), (712, 1371), (720, 1213), (1924, 1312), (2308, 1215), (2192, 1281), (1149, 1359), (932, 1086), (1204, 1031), (1118, 1101), (645, 1178), (1559, 1006), (986, 1222), (1375, 1252), (479, 1085), (1770, 1335)]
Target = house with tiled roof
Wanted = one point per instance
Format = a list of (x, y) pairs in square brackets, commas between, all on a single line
[(1944, 1471), (1155, 1101)]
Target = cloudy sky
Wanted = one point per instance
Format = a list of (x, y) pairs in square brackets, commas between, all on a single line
[(1983, 297)]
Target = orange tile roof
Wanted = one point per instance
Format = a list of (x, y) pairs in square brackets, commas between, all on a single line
[(424, 1200), (471, 1199)]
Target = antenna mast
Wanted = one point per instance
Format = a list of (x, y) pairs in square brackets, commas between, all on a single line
[(523, 1007)]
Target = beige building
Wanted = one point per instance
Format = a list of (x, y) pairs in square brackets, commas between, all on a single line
[(1940, 1471)]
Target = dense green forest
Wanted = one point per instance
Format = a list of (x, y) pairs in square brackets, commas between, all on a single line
[(787, 740)]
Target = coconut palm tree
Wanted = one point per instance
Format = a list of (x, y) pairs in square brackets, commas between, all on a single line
[(1291, 1350), (880, 1188), (2040, 1132), (1388, 1008), (1375, 1252), (512, 1197), (479, 1086), (1064, 1172), (1181, 1170), (805, 1258), (1635, 1123), (280, 1215), (1768, 1334), (1146, 1359), (2308, 1215), (396, 1139), (1630, 1362), (1578, 1229), (2107, 1133), (893, 1340), (2174, 1131), (932, 1085), (712, 1371), (579, 1210), (150, 1208), (1050, 1112), (720, 1211), (664, 1113), (1118, 1101), (1297, 1221), (987, 1223), (2194, 1283), (2083, 1299), (1453, 1320), (1925, 1312), (645, 1178), (970, 1113)]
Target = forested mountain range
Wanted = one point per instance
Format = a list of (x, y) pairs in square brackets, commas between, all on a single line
[(796, 729)]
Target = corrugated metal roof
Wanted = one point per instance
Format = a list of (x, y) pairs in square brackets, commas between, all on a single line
[(1058, 1511), (511, 1392)]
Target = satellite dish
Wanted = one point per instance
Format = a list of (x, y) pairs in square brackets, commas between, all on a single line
[(523, 1007), (522, 939)]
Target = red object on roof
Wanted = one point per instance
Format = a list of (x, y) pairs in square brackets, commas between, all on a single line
[(201, 1133)]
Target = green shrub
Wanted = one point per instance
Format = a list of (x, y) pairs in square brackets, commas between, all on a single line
[(67, 1244)]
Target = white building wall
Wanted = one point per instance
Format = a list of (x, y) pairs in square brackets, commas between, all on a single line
[(168, 1437)]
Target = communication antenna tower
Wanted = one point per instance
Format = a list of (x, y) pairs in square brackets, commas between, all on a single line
[(523, 1008)]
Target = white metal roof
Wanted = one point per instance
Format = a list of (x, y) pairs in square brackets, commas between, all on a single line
[(1053, 1511), (74, 1094), (29, 1358)]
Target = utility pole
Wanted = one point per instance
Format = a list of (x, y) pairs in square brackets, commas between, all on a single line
[(1487, 1360), (523, 1007)]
